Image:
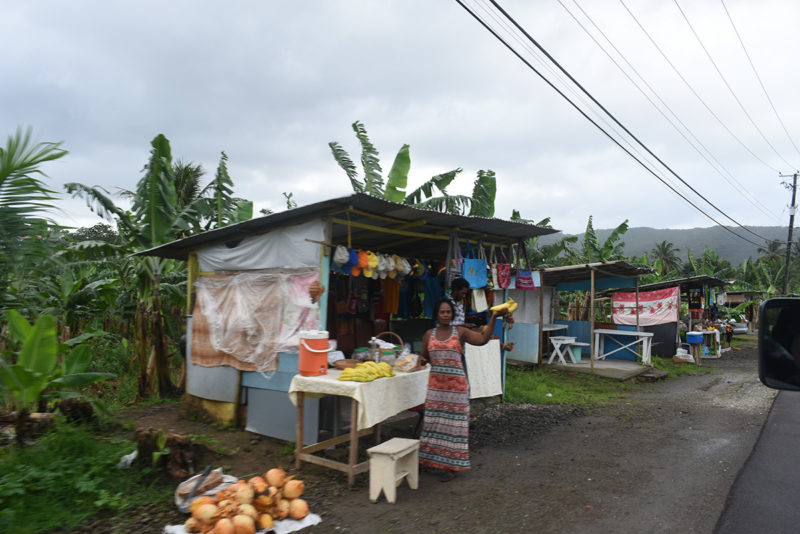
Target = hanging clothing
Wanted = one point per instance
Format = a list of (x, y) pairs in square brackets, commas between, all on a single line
[(433, 292), (444, 441)]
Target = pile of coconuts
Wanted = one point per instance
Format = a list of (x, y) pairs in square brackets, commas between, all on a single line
[(249, 505)]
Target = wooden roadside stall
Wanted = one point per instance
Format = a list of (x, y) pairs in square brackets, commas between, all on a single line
[(701, 293), (249, 301), (604, 341)]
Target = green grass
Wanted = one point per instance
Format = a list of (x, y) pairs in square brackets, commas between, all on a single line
[(68, 475), (548, 386), (744, 341), (675, 370)]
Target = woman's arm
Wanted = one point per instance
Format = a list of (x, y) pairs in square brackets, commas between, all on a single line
[(423, 354), (480, 336)]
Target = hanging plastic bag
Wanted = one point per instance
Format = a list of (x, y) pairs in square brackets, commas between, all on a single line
[(524, 276), (474, 269), (479, 303), (503, 271)]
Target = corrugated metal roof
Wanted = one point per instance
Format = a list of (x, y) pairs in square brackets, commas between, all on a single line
[(578, 273), (692, 282), (418, 232)]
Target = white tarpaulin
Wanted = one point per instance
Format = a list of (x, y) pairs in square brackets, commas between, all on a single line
[(252, 316), (655, 307), (283, 248)]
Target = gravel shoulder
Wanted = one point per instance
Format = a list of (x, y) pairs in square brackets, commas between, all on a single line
[(661, 460)]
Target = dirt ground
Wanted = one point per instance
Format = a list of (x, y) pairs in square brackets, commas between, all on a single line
[(661, 460)]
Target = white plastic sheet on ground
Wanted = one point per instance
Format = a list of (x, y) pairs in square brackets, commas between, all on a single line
[(281, 527)]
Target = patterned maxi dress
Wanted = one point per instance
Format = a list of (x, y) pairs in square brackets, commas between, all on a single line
[(444, 441)]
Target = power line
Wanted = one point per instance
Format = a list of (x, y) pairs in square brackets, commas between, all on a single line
[(752, 65), (689, 86), (596, 125), (725, 81), (613, 118), (556, 74), (741, 189)]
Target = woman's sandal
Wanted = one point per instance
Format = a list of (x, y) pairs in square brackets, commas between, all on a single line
[(447, 476)]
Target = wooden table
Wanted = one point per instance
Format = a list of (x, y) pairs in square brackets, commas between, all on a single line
[(371, 403), (559, 342), (626, 338)]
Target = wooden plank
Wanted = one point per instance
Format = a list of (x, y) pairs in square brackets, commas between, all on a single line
[(333, 464), (334, 441)]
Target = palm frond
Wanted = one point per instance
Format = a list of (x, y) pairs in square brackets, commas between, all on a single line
[(22, 193), (343, 159), (98, 201), (483, 194), (455, 204), (425, 191), (373, 182)]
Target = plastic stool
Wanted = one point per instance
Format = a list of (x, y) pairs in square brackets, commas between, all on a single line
[(391, 462)]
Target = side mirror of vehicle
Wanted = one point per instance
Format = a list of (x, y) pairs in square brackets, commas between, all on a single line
[(779, 343)]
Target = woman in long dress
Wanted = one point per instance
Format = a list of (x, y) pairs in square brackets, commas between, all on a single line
[(444, 441)]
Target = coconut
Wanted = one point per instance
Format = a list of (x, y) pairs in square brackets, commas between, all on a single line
[(224, 526), (298, 508), (244, 524), (275, 477), (293, 489)]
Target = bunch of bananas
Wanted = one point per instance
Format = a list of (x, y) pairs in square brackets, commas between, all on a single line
[(367, 372), (509, 305)]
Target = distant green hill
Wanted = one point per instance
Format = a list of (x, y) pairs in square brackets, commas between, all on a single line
[(728, 246)]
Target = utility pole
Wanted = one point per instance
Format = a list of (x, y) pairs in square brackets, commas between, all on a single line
[(792, 209)]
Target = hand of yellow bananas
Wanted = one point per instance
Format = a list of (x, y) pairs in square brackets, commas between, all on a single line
[(367, 372), (508, 306)]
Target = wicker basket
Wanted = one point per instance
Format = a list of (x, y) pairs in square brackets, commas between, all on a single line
[(397, 351), (399, 339)]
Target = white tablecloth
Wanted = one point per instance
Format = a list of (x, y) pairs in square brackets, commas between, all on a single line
[(377, 400)]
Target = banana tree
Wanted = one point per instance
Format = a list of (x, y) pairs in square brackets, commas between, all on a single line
[(592, 250), (35, 371), (480, 204), (157, 216)]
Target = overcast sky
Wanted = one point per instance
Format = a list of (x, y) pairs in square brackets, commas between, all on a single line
[(271, 83)]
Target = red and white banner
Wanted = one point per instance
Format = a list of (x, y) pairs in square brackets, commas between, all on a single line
[(655, 307)]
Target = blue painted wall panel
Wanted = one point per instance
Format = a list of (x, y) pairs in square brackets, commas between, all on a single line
[(280, 379), (581, 330), (626, 354), (526, 342), (271, 413), (211, 383), (600, 283)]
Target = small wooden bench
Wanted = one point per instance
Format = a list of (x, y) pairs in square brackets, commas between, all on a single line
[(391, 462)]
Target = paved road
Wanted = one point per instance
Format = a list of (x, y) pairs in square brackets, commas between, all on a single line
[(764, 497)]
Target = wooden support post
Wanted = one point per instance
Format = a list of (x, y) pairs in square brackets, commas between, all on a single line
[(353, 453), (298, 447), (591, 323), (541, 319)]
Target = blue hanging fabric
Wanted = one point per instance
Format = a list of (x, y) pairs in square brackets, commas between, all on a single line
[(474, 269)]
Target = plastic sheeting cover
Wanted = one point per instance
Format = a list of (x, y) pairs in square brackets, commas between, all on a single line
[(281, 248), (253, 316)]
